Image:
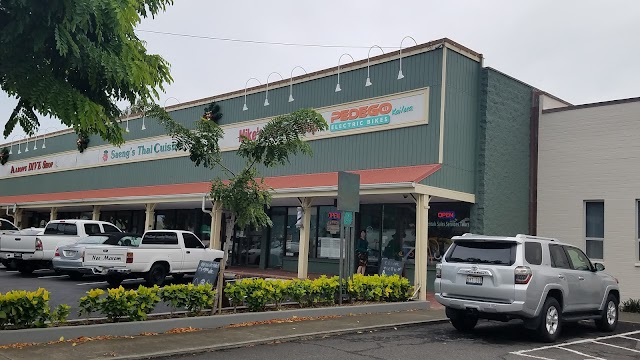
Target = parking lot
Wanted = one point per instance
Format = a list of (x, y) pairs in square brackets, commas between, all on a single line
[(64, 290)]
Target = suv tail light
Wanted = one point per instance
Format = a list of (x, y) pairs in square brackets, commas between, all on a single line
[(129, 258), (438, 271), (523, 275), (57, 252), (38, 244)]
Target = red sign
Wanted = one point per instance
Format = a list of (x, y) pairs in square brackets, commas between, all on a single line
[(361, 112), (446, 215), (32, 166), (334, 215)]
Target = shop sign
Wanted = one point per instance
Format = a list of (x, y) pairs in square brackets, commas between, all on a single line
[(383, 113), (446, 215), (333, 226)]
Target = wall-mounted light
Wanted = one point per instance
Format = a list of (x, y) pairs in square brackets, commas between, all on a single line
[(291, 82), (368, 82), (338, 84), (26, 148), (44, 136), (266, 98), (35, 143), (400, 75), (244, 107), (11, 146), (165, 102)]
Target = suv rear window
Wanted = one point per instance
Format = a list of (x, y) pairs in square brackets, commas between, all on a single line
[(533, 253), (483, 252)]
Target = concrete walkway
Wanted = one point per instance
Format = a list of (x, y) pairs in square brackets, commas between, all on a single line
[(162, 345)]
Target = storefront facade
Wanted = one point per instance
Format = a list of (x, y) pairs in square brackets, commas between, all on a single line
[(588, 195), (441, 144)]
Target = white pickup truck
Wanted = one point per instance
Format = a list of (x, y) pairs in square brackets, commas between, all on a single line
[(160, 253), (33, 249)]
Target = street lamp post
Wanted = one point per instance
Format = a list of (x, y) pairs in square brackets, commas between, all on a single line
[(291, 82), (338, 84)]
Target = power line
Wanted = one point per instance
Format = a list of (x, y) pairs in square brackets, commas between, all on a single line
[(260, 42)]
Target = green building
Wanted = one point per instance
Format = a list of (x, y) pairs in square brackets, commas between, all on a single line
[(442, 144)]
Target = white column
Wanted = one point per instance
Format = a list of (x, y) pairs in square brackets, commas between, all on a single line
[(305, 235), (422, 238), (216, 226), (96, 212), (53, 215), (17, 218), (150, 214)]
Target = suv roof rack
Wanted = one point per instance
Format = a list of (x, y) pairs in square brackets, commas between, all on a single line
[(531, 237)]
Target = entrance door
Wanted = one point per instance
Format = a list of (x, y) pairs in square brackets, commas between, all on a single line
[(277, 238)]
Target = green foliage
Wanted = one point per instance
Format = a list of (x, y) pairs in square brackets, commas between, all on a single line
[(75, 60), (188, 296), (60, 314), (244, 194), (379, 288), (4, 156), (90, 303), (25, 309), (235, 294), (296, 290), (631, 305), (120, 303)]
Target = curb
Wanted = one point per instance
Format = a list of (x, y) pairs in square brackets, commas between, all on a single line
[(228, 346), (134, 328)]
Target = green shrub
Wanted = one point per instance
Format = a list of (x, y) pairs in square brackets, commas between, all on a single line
[(297, 290), (236, 294), (120, 303), (323, 290), (60, 314), (379, 288), (90, 303), (199, 297), (631, 305), (27, 309)]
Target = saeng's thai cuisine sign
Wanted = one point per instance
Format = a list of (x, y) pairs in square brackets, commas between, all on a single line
[(401, 110)]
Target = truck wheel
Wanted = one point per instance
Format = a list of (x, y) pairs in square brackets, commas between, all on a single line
[(75, 275), (24, 268), (156, 275), (609, 319), (550, 320), (114, 281), (177, 276), (464, 324), (12, 265)]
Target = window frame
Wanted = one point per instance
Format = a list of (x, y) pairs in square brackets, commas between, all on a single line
[(539, 246), (587, 239), (104, 228), (573, 266), (185, 236), (552, 260)]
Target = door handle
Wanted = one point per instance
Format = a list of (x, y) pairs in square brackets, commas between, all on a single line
[(580, 278), (188, 252), (560, 276), (18, 239)]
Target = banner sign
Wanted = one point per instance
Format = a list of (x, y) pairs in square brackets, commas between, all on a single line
[(390, 112)]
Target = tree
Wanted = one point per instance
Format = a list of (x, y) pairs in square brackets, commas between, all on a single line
[(75, 59), (244, 194)]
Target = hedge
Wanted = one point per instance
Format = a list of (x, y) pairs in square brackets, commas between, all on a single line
[(27, 309)]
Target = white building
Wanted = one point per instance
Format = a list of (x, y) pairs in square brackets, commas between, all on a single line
[(589, 184)]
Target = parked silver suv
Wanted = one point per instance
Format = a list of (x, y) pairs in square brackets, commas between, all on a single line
[(539, 280)]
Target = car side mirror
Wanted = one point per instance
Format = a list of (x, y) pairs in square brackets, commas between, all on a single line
[(599, 267)]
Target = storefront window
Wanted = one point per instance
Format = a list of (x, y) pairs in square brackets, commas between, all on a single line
[(328, 240), (399, 232), (371, 222), (277, 237), (446, 220), (292, 243)]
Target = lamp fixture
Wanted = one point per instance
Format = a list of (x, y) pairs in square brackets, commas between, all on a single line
[(35, 143), (244, 107), (368, 82), (26, 148), (266, 98), (400, 74), (165, 102), (338, 84), (11, 146), (291, 82)]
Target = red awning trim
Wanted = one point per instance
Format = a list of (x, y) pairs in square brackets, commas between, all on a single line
[(405, 174)]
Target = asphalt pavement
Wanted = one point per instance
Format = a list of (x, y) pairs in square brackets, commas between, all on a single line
[(63, 290), (490, 340)]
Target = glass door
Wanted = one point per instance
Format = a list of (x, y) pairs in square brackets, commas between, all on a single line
[(277, 238)]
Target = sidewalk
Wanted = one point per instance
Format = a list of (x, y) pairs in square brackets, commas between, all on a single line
[(163, 345)]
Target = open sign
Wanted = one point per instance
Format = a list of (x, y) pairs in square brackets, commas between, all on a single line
[(334, 215), (449, 215)]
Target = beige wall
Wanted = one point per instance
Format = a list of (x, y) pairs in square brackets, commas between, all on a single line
[(593, 154)]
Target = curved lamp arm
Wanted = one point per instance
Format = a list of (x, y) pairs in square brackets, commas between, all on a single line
[(400, 75), (291, 82), (266, 98), (338, 84), (368, 82), (244, 107)]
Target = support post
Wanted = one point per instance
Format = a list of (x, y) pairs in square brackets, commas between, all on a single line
[(96, 212), (17, 218), (422, 244), (149, 216), (216, 226), (53, 215), (305, 236)]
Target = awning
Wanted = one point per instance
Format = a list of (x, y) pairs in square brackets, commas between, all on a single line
[(370, 178)]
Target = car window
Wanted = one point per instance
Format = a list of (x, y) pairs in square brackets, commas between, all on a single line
[(533, 252), (110, 228), (578, 259), (192, 242), (160, 238), (53, 229), (93, 240), (559, 257), (91, 229), (128, 241), (70, 229), (483, 252), (6, 225)]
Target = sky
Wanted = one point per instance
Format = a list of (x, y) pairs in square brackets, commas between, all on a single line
[(579, 50)]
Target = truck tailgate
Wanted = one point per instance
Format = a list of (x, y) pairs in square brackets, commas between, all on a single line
[(23, 241), (105, 256)]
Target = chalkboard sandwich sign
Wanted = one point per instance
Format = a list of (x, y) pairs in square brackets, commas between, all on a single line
[(391, 267), (207, 273)]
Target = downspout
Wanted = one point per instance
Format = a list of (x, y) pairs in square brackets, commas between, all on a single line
[(536, 109)]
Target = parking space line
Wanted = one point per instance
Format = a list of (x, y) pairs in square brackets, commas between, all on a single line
[(104, 282), (51, 276), (534, 357), (12, 271), (630, 338), (581, 354), (576, 342), (617, 346)]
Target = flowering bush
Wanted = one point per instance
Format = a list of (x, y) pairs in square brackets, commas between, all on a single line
[(188, 296), (25, 309)]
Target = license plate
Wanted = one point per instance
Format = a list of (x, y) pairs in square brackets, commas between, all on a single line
[(69, 253), (474, 280), (17, 256)]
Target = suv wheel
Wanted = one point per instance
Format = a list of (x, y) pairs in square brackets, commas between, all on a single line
[(461, 321), (550, 320), (609, 319)]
